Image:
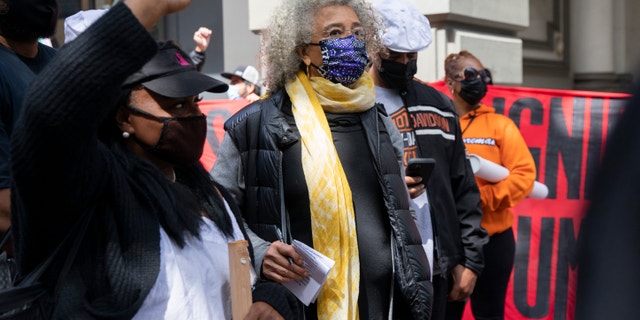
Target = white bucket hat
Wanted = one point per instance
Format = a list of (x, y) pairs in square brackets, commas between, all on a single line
[(406, 29), (75, 24)]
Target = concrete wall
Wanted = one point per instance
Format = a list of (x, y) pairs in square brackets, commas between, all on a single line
[(241, 45), (232, 43), (485, 28), (181, 26), (627, 36), (565, 44)]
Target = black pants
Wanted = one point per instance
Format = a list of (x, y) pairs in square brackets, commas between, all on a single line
[(487, 300), (441, 288)]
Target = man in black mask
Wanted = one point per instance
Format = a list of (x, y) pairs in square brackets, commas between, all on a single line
[(448, 204), (22, 22)]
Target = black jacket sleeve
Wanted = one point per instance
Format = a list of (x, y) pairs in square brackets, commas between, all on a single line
[(469, 209), (280, 298), (60, 168), (198, 59)]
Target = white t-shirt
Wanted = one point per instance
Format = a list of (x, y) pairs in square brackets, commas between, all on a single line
[(193, 282), (394, 106)]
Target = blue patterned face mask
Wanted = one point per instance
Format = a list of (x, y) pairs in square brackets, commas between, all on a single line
[(343, 59)]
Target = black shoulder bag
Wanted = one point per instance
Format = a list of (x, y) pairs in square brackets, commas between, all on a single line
[(27, 298)]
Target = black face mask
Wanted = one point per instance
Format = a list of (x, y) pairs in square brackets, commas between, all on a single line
[(396, 74), (182, 138), (27, 20), (472, 91)]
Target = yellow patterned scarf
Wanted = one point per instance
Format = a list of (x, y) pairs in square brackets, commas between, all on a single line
[(332, 214)]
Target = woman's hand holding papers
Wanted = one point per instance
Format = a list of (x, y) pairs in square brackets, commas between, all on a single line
[(276, 265)]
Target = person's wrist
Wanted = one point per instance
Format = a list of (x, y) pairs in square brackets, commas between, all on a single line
[(147, 12), (475, 273)]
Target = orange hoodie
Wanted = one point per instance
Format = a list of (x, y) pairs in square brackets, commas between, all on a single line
[(496, 138)]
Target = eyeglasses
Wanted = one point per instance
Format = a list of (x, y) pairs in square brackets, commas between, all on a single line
[(469, 74), (336, 33)]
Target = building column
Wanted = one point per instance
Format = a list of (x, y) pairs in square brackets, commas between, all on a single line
[(594, 43), (486, 29)]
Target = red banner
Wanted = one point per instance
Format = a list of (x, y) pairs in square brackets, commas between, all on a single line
[(217, 111), (566, 132)]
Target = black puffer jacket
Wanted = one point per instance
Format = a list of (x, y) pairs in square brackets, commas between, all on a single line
[(261, 131)]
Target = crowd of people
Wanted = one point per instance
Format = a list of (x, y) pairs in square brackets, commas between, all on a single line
[(109, 136)]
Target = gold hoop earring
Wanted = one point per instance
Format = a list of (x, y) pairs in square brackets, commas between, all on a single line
[(307, 71)]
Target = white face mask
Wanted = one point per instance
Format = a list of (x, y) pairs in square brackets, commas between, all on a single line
[(233, 92)]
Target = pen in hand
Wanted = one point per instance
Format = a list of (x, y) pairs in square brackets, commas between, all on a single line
[(281, 238)]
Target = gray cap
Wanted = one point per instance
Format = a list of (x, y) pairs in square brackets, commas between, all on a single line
[(406, 29), (247, 73)]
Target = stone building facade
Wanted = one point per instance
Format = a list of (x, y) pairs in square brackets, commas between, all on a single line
[(561, 44)]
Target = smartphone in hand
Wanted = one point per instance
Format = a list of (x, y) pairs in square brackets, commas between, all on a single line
[(421, 167)]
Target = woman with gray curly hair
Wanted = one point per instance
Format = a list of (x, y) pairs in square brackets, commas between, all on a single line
[(290, 29), (315, 160)]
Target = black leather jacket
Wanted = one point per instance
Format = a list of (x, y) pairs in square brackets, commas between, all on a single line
[(454, 196), (260, 131)]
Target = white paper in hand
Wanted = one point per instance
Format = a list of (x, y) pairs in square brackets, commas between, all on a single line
[(318, 265)]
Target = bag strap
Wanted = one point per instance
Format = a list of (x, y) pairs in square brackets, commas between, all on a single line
[(285, 227), (34, 275)]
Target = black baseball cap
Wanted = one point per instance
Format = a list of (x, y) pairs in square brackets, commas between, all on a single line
[(171, 73)]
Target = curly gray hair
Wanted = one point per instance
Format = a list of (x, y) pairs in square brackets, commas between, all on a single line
[(292, 26)]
